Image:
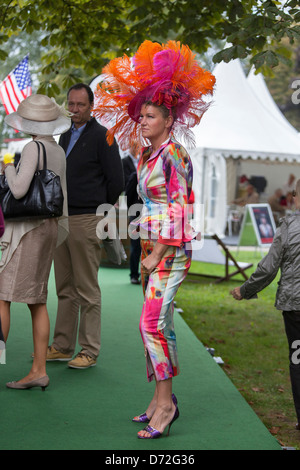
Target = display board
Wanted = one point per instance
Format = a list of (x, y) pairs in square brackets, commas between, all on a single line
[(258, 226)]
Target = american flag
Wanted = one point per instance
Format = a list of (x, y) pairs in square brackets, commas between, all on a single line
[(16, 87)]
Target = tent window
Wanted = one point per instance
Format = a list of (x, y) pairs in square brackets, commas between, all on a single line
[(214, 192)]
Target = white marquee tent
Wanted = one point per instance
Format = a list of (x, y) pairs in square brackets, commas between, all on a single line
[(209, 186), (239, 125), (240, 128), (259, 86)]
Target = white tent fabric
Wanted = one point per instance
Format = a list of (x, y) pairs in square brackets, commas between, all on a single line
[(15, 146), (259, 86), (209, 186), (239, 125)]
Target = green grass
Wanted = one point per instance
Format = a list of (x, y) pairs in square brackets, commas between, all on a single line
[(249, 336)]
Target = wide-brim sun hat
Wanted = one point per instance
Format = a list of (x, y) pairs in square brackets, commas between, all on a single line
[(39, 115)]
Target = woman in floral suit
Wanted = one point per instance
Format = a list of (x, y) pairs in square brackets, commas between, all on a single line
[(165, 183), (153, 97)]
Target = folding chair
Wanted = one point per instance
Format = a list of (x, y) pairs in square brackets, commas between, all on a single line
[(211, 253)]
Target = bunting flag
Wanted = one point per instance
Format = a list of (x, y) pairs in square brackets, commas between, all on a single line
[(16, 87)]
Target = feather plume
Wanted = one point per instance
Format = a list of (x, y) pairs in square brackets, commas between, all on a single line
[(166, 74), (143, 61)]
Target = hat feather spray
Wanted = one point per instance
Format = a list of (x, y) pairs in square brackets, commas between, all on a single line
[(166, 75)]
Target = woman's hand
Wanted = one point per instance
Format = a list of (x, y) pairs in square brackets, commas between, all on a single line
[(8, 159), (151, 261)]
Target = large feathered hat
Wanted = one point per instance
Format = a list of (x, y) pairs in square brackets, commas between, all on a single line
[(166, 75)]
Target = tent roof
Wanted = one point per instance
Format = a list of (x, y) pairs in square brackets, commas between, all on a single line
[(258, 84), (238, 124)]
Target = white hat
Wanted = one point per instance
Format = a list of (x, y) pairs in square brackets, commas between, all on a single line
[(39, 115)]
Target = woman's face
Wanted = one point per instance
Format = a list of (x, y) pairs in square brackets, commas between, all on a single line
[(153, 123)]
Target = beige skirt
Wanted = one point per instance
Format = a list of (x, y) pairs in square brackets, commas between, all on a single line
[(25, 277)]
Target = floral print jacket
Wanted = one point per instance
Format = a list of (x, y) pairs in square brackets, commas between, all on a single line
[(165, 185)]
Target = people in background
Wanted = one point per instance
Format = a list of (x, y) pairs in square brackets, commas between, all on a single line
[(251, 196), (28, 246), (284, 255), (130, 162), (94, 177), (288, 202), (289, 186), (275, 202)]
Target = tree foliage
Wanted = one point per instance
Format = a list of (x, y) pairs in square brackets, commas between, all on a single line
[(79, 36), (282, 86)]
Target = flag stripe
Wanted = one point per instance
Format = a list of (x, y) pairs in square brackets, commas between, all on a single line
[(10, 94), (16, 87), (15, 92), (7, 100)]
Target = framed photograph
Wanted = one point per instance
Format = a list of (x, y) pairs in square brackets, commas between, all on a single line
[(262, 221)]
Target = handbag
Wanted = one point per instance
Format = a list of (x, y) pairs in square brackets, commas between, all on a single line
[(115, 250), (110, 240), (44, 198)]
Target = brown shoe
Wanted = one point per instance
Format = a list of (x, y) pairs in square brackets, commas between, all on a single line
[(55, 355), (82, 361)]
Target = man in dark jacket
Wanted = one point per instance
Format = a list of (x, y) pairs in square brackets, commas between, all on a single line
[(94, 177), (130, 162)]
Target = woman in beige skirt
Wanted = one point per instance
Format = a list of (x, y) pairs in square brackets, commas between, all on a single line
[(28, 245)]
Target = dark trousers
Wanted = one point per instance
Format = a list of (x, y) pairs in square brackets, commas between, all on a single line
[(292, 329), (135, 253)]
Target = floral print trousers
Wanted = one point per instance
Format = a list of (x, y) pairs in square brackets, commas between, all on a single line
[(156, 323)]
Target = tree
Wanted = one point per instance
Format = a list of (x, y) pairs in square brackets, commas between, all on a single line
[(282, 86), (84, 34), (19, 46)]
